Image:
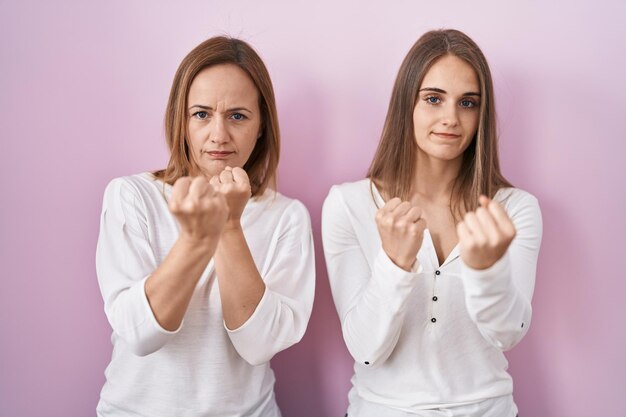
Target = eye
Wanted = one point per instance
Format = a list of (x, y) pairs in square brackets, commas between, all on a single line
[(237, 116), (432, 100), (468, 104), (202, 115)]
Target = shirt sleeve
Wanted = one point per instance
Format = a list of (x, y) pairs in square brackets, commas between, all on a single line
[(371, 302), (498, 298), (124, 260), (281, 317)]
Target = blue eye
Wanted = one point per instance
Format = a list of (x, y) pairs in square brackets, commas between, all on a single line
[(238, 116), (467, 104), (432, 100), (201, 115)]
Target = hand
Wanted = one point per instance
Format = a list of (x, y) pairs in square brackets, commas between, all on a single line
[(200, 210), (234, 185), (401, 230), (485, 235)]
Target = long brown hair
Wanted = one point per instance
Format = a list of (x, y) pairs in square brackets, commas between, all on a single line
[(263, 161), (393, 167)]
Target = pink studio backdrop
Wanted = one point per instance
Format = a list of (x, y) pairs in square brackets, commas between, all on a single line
[(83, 87)]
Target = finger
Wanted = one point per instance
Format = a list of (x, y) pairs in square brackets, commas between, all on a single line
[(474, 227), (421, 224), (463, 233), (402, 209), (240, 175), (501, 218), (391, 205), (199, 187), (226, 176), (483, 200), (180, 189), (414, 214), (488, 224), (214, 181)]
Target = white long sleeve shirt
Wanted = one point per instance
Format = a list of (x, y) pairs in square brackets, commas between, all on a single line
[(431, 339), (202, 368)]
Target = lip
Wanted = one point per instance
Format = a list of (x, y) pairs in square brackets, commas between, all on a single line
[(219, 154), (444, 135)]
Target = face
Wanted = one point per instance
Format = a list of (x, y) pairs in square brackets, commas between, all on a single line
[(224, 118), (446, 114)]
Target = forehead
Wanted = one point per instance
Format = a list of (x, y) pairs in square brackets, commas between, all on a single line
[(222, 83), (452, 74)]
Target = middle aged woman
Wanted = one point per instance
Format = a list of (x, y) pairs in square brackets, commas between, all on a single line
[(206, 271)]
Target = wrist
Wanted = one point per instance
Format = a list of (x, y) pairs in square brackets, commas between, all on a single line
[(232, 226), (197, 242), (404, 264)]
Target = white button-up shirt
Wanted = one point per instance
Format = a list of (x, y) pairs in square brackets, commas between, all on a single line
[(428, 342)]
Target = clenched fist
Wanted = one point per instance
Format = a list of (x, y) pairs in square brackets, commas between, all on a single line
[(401, 230), (485, 234), (234, 185), (200, 210)]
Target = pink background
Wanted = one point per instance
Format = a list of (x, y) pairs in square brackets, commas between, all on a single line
[(83, 89)]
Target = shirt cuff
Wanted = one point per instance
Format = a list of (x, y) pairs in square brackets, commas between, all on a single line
[(390, 278), (259, 311), (149, 314), (495, 279)]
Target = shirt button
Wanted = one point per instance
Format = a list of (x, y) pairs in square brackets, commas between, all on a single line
[(367, 362), (435, 299), (433, 319), (437, 272)]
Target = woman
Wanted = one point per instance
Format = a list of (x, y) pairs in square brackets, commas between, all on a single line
[(205, 271), (432, 259)]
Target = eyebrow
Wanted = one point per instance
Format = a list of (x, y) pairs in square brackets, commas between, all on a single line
[(439, 90), (211, 108)]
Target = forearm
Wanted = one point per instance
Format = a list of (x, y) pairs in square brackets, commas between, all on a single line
[(372, 326), (170, 287), (501, 312), (241, 286)]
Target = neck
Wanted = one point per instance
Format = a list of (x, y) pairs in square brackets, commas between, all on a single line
[(434, 178)]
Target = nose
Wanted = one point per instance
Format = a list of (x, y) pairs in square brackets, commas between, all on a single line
[(450, 115), (219, 132)]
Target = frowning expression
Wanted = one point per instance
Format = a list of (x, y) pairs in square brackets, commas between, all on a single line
[(224, 119)]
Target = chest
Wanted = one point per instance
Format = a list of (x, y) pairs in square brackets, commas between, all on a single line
[(442, 228)]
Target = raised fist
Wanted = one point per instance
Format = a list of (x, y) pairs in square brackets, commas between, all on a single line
[(485, 234), (234, 185), (200, 210), (401, 230)]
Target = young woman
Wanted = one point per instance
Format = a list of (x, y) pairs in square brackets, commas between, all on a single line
[(205, 271), (432, 259)]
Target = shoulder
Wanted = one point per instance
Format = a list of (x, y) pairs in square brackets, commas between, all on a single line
[(351, 202), (276, 205), (515, 199), (352, 193), (129, 190), (521, 206)]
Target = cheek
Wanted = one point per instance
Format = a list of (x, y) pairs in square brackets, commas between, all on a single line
[(470, 121), (196, 136)]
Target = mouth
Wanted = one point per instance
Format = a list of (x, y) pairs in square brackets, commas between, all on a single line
[(444, 135), (219, 154)]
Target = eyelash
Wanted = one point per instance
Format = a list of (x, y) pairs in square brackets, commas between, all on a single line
[(238, 114), (206, 116), (196, 115), (428, 100)]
